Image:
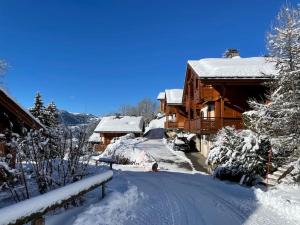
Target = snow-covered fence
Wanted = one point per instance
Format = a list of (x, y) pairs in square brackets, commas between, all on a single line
[(33, 209)]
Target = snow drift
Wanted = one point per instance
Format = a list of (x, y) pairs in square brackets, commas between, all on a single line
[(123, 151)]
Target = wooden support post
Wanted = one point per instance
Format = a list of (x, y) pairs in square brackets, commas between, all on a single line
[(189, 106), (38, 221), (222, 112), (103, 190)]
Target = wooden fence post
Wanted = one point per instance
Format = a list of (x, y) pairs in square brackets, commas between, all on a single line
[(103, 190)]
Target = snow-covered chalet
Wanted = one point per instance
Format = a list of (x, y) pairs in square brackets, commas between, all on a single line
[(171, 105), (217, 90), (115, 126)]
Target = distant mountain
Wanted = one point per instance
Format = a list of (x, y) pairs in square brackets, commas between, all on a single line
[(74, 119)]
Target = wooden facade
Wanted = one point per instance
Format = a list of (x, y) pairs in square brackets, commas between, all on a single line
[(211, 104), (13, 118), (175, 116), (175, 112)]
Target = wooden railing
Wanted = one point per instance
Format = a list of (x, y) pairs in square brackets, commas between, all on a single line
[(210, 125), (34, 208)]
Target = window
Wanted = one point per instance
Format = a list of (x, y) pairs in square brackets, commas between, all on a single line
[(211, 107)]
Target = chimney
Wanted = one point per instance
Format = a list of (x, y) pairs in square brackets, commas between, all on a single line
[(231, 52)]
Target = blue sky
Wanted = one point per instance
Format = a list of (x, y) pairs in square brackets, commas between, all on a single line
[(93, 56)]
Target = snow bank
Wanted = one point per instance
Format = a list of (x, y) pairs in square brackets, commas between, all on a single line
[(156, 123), (40, 203), (116, 209), (124, 152), (283, 200)]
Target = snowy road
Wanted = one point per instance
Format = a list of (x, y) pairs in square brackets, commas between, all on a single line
[(177, 198)]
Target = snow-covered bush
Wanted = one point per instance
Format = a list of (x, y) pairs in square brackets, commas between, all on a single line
[(123, 151), (8, 173), (52, 156), (235, 153)]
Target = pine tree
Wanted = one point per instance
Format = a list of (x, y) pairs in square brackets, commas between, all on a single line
[(38, 110), (51, 115), (279, 119), (236, 153)]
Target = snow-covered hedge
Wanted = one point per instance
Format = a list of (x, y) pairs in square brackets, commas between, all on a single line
[(238, 152), (123, 151)]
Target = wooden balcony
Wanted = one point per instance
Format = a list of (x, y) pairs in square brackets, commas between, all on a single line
[(174, 125), (211, 125)]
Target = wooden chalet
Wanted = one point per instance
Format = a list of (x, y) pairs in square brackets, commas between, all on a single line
[(13, 117), (116, 126), (216, 92), (171, 105)]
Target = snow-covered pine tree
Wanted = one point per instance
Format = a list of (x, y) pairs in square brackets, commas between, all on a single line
[(279, 119), (38, 110), (51, 115), (238, 152)]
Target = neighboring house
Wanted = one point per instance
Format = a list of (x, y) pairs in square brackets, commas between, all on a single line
[(13, 117), (216, 92), (171, 105), (162, 99), (174, 110), (116, 126)]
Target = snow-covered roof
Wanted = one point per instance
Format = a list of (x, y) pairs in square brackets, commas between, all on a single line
[(21, 107), (174, 96), (161, 96), (95, 138), (236, 67), (122, 124)]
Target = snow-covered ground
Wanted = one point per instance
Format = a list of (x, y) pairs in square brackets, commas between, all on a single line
[(179, 195)]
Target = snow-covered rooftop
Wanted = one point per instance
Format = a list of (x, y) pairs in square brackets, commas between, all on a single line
[(95, 137), (174, 96), (161, 96), (21, 107), (236, 67), (122, 124)]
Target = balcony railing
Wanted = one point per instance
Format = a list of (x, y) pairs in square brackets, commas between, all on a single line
[(211, 125)]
